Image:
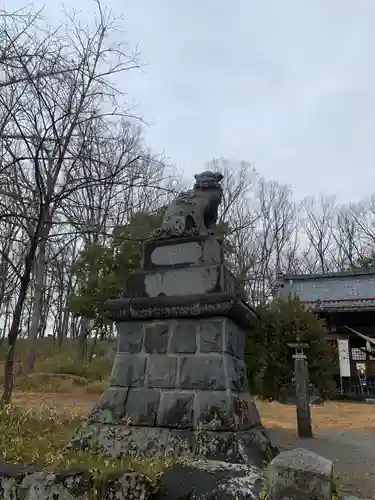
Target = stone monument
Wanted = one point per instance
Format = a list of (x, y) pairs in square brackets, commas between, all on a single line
[(178, 384)]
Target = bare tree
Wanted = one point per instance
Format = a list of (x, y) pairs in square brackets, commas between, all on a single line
[(46, 137), (318, 217)]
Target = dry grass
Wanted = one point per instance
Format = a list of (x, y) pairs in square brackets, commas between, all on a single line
[(37, 434), (331, 415), (38, 425)]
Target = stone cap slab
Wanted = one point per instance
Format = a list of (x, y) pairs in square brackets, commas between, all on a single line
[(188, 306)]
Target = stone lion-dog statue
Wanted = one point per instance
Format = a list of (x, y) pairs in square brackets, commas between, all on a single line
[(194, 212)]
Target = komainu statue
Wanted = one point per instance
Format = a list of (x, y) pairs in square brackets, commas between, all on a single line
[(194, 212)]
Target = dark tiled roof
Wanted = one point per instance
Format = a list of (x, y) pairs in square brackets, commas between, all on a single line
[(341, 305), (340, 291), (339, 274)]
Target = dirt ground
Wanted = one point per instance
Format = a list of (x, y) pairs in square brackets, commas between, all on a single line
[(343, 432)]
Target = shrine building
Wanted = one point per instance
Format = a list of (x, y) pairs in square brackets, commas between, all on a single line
[(346, 302)]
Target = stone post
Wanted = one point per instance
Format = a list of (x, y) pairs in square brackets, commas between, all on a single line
[(302, 390), (178, 383)]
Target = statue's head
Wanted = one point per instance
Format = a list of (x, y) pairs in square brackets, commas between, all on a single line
[(208, 180), (208, 184)]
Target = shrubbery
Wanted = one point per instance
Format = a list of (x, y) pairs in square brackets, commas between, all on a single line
[(268, 358), (57, 370)]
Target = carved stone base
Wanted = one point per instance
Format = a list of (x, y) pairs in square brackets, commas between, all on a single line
[(179, 386), (251, 447)]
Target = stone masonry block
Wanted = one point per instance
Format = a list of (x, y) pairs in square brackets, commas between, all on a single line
[(211, 410), (162, 371), (243, 412), (130, 337), (211, 336), (184, 337), (142, 406), (235, 339), (156, 337), (176, 410), (128, 370), (236, 369), (113, 399), (202, 372), (300, 472)]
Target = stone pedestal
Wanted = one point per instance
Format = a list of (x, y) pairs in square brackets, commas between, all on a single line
[(178, 383)]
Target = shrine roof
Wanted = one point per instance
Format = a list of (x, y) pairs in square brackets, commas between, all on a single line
[(342, 291)]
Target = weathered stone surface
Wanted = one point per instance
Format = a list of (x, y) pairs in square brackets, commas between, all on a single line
[(156, 337), (176, 410), (130, 337), (254, 446), (23, 484), (142, 406), (184, 337), (203, 372), (210, 480), (300, 472), (237, 374), (128, 486), (212, 410), (222, 304), (190, 281), (193, 212), (183, 251), (180, 281), (129, 370), (249, 447), (211, 336), (243, 412), (111, 405), (161, 371), (235, 339)]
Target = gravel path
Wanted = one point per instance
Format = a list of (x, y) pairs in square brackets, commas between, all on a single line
[(352, 452)]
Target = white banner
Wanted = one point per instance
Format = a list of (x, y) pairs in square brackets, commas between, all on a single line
[(344, 358)]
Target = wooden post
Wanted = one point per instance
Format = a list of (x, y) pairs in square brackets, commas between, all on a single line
[(302, 390)]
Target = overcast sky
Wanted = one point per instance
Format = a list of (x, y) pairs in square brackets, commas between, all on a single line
[(288, 85)]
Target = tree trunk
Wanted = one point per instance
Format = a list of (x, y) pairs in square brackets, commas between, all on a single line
[(15, 327), (82, 339), (37, 308)]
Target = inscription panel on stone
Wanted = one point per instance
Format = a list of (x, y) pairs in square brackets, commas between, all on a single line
[(183, 253)]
